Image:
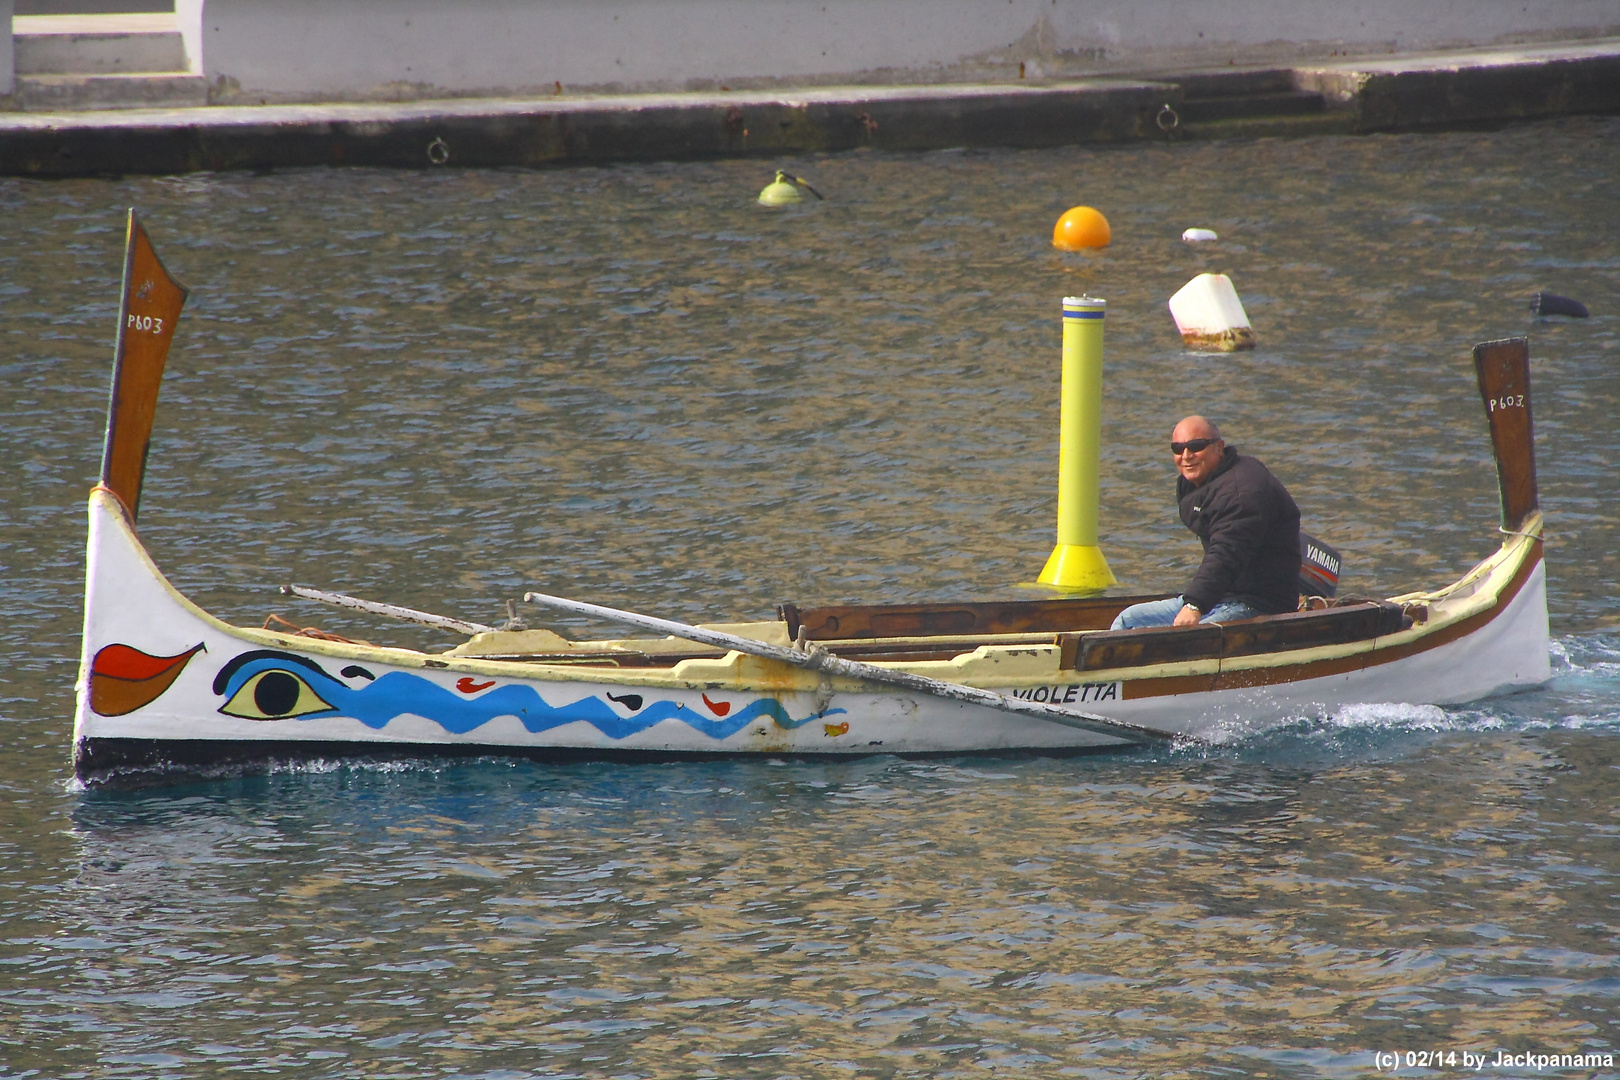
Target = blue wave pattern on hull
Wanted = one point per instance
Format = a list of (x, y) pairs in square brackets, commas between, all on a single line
[(398, 693)]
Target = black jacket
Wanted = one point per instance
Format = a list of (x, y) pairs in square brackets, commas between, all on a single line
[(1249, 526)]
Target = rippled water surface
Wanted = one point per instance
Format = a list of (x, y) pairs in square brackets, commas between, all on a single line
[(635, 386)]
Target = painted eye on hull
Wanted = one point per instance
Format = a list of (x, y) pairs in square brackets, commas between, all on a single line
[(275, 694)]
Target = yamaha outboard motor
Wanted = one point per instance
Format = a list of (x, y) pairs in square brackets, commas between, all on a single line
[(1318, 567)]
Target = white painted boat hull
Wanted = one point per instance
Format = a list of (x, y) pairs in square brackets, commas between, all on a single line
[(364, 697)]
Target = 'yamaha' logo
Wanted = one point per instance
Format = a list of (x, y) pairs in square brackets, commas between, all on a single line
[(1321, 558)]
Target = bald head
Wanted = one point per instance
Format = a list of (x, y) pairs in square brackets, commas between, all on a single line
[(1195, 427)]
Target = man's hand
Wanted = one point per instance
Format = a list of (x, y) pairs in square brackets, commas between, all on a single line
[(1187, 616)]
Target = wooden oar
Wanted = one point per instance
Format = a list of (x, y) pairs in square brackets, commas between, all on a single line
[(393, 611), (819, 659)]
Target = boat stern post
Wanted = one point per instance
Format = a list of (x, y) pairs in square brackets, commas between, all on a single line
[(1503, 369)]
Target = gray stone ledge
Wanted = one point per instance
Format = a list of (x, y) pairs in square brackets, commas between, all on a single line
[(1399, 93)]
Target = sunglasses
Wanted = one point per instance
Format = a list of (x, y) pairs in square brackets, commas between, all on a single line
[(1197, 446)]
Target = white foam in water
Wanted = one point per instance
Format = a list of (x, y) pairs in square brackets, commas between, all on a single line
[(1582, 655), (1584, 686), (320, 766), (1398, 716), (1357, 716), (1581, 721)]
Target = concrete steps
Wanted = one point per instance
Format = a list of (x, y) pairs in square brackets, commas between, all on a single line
[(102, 61), (1246, 95), (136, 90), (1253, 103)]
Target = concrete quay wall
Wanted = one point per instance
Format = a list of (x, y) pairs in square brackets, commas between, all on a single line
[(487, 132), (1416, 92), (269, 51)]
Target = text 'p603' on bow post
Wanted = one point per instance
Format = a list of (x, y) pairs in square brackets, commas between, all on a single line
[(1077, 563)]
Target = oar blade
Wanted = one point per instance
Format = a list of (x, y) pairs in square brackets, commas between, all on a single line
[(147, 314)]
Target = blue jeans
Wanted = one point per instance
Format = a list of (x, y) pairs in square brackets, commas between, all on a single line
[(1163, 613)]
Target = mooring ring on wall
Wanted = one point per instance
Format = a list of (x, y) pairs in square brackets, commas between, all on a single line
[(438, 151), (1167, 119)]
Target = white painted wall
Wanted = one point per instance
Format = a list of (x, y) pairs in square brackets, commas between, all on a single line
[(355, 49), (8, 68), (188, 16)]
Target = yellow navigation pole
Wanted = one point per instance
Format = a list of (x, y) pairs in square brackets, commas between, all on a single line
[(1077, 563)]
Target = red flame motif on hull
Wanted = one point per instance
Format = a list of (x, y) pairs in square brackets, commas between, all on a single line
[(123, 678)]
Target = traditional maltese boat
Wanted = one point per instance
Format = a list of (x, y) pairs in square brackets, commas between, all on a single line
[(163, 684)]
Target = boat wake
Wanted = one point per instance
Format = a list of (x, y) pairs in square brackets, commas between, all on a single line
[(1582, 695)]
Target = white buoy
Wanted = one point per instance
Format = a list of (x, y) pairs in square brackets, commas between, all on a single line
[(1210, 316), (1198, 236)]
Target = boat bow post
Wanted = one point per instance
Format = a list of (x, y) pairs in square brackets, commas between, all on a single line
[(147, 315)]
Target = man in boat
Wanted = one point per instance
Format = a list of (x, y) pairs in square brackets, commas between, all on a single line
[(1249, 526)]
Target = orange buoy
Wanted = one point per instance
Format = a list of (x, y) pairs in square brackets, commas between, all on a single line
[(1080, 229)]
